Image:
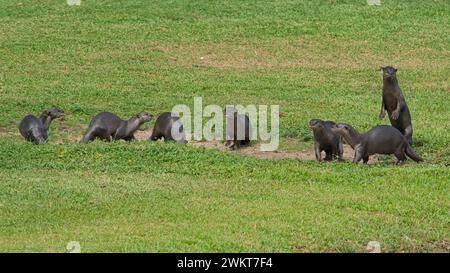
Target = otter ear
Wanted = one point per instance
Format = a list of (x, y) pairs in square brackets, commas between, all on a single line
[(395, 69)]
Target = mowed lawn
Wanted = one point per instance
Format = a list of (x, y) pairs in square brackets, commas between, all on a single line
[(315, 59)]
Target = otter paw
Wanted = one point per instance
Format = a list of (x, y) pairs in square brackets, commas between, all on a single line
[(394, 115)]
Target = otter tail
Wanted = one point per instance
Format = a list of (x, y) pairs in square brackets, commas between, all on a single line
[(412, 154)]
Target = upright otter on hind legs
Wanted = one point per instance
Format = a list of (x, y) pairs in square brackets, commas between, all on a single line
[(383, 139), (326, 140), (35, 129), (107, 126), (394, 103)]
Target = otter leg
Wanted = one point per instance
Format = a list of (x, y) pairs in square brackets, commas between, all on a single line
[(340, 150), (232, 146), (90, 135), (357, 157), (335, 151), (317, 151), (107, 137), (168, 138), (328, 155), (237, 144), (30, 136), (130, 138), (358, 154), (408, 134), (103, 134), (365, 159), (382, 111), (155, 136), (400, 155)]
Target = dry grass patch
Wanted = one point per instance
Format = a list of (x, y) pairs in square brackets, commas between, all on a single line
[(301, 53), (254, 151)]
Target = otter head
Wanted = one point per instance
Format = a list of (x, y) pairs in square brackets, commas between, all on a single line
[(54, 113), (347, 132), (315, 124), (389, 72), (144, 117), (341, 128)]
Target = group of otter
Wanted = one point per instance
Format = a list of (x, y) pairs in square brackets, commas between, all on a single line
[(383, 139), (108, 126), (328, 136), (105, 126)]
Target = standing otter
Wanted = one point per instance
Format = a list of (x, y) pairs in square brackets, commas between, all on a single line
[(383, 139), (35, 129), (395, 104), (107, 126), (163, 129), (326, 140), (239, 129)]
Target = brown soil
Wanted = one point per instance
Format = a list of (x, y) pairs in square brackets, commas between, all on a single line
[(143, 134), (254, 151), (6, 132), (68, 135)]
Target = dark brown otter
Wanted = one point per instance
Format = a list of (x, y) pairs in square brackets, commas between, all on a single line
[(383, 139), (238, 127), (35, 129), (169, 127), (326, 140), (394, 103), (107, 126)]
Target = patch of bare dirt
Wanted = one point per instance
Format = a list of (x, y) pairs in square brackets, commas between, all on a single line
[(68, 134), (442, 246), (254, 151), (3, 131), (143, 134), (7, 132)]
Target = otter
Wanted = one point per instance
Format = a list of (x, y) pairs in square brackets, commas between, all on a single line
[(239, 129), (107, 126), (383, 139), (326, 140), (35, 129), (163, 129), (394, 103)]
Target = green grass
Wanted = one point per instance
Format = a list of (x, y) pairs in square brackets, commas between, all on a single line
[(313, 58)]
